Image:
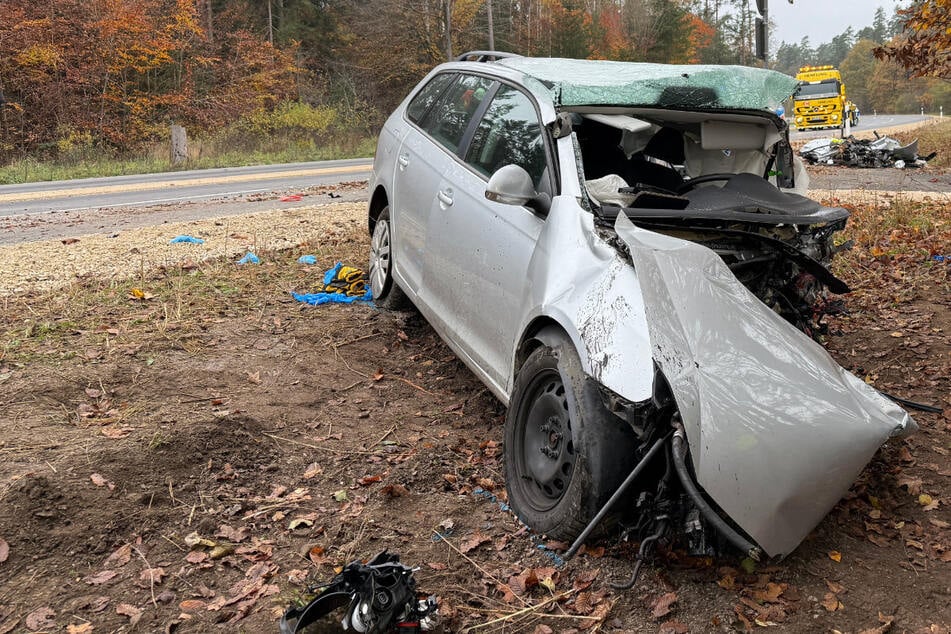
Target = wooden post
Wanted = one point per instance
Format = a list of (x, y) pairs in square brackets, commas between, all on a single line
[(179, 145)]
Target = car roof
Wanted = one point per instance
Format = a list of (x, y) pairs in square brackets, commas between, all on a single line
[(572, 83)]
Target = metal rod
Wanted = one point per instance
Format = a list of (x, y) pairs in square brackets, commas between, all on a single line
[(614, 498)]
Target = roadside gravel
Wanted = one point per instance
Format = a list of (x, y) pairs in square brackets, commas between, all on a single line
[(52, 264)]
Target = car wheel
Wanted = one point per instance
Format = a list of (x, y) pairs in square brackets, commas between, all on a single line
[(386, 293), (565, 454)]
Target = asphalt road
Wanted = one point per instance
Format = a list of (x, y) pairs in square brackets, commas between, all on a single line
[(866, 123), (175, 187)]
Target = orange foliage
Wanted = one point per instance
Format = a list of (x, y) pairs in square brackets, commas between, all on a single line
[(701, 37), (120, 71)]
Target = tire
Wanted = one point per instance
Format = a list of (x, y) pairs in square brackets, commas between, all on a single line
[(386, 292), (565, 454)]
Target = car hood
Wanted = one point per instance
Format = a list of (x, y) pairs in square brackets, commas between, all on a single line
[(777, 430), (577, 82)]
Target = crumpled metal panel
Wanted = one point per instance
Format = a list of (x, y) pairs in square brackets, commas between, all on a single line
[(778, 431), (578, 82)]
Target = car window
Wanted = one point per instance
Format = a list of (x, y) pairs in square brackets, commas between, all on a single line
[(448, 119), (509, 134), (426, 97)]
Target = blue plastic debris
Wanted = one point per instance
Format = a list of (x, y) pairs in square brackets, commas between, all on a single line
[(186, 239), (307, 259), (249, 258), (331, 280), (941, 258)]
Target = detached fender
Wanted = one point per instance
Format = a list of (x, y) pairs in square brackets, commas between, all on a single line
[(778, 431), (584, 285)]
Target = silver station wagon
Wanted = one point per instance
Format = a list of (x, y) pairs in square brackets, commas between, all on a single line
[(624, 255)]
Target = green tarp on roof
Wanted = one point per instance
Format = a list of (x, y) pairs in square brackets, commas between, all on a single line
[(582, 82)]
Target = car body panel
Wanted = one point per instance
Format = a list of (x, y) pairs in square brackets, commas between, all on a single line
[(778, 430)]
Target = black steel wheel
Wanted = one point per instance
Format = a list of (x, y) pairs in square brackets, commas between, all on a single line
[(565, 454)]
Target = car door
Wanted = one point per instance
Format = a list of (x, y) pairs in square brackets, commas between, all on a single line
[(440, 115), (478, 251)]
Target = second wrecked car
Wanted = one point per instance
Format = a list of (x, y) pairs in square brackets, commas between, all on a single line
[(622, 253)]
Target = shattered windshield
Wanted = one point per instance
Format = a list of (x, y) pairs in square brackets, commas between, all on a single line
[(820, 90), (576, 82)]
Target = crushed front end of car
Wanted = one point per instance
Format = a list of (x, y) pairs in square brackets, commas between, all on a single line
[(752, 432)]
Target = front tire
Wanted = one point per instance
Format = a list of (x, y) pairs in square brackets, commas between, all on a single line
[(386, 292), (565, 453)]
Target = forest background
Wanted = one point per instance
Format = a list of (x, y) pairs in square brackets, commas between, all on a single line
[(83, 82)]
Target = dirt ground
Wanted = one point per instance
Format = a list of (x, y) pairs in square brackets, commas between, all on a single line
[(187, 448)]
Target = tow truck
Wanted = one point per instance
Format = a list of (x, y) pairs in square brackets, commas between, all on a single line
[(820, 100)]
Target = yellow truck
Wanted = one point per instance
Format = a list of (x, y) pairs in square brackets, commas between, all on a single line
[(820, 100)]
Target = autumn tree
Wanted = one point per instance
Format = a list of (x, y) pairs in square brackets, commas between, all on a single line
[(924, 44)]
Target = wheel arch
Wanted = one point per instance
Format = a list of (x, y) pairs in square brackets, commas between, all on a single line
[(544, 330), (378, 201)]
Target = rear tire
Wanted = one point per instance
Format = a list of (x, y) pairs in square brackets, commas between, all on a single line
[(386, 292), (565, 453)]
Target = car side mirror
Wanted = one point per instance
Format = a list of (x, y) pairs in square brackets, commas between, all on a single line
[(512, 185)]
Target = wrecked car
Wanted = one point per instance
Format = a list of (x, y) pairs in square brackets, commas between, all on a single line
[(883, 151), (623, 254)]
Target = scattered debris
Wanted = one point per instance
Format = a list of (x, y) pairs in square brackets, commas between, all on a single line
[(291, 198), (342, 285), (249, 258), (307, 259), (851, 152), (186, 240), (381, 594)]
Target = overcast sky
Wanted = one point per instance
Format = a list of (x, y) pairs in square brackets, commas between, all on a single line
[(821, 20)]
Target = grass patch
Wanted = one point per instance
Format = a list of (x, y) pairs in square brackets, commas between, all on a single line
[(203, 154), (895, 246), (931, 138)]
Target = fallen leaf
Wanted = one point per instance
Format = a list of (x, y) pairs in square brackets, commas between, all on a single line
[(886, 625), (835, 556), (196, 557), (474, 541), (924, 499), (835, 587), (378, 375), (254, 377), (126, 609), (661, 606), (340, 495), (395, 490), (192, 605), (316, 555), (300, 522), (4, 550), (912, 483), (831, 602), (313, 471), (596, 552), (542, 629), (672, 627), (221, 550), (82, 628), (524, 581), (116, 432), (92, 392), (40, 619), (933, 522), (236, 535), (367, 480), (437, 565), (151, 576), (120, 556), (193, 540), (101, 577), (878, 540), (100, 481)]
